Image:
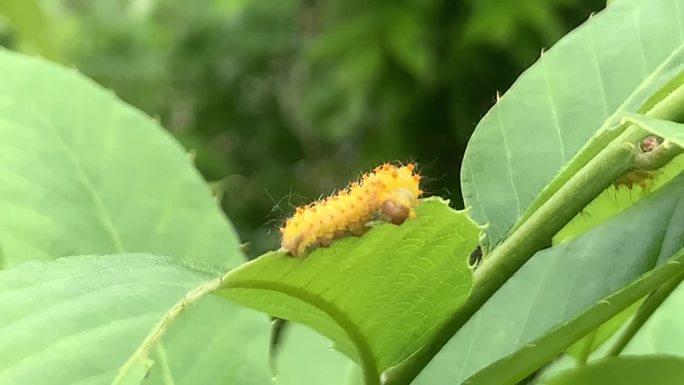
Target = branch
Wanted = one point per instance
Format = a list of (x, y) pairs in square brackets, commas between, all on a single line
[(618, 158)]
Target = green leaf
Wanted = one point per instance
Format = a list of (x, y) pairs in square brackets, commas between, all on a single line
[(76, 320), (202, 339), (570, 100), (407, 281), (629, 370), (304, 357), (83, 173), (533, 356), (583, 348), (560, 283)]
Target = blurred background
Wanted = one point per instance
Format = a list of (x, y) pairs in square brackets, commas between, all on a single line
[(283, 101)]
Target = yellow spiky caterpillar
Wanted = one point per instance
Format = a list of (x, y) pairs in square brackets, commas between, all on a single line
[(389, 192)]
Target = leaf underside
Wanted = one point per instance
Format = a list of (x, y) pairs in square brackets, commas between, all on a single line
[(406, 281)]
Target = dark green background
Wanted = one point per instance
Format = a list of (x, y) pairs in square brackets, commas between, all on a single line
[(283, 100)]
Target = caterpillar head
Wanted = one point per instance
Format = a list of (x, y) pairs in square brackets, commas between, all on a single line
[(398, 206)]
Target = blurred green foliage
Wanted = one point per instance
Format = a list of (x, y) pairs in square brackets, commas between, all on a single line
[(284, 100)]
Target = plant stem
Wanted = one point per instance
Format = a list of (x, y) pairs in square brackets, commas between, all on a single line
[(530, 237), (586, 347), (644, 313), (535, 233)]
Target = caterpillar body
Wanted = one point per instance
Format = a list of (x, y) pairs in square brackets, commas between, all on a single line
[(640, 178), (389, 193)]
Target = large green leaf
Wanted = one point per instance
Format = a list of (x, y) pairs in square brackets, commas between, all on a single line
[(581, 87), (636, 370), (407, 280), (561, 282), (83, 173), (378, 298), (76, 320)]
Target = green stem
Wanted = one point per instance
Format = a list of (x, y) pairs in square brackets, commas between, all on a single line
[(587, 347), (659, 157), (530, 237), (536, 232), (644, 313)]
